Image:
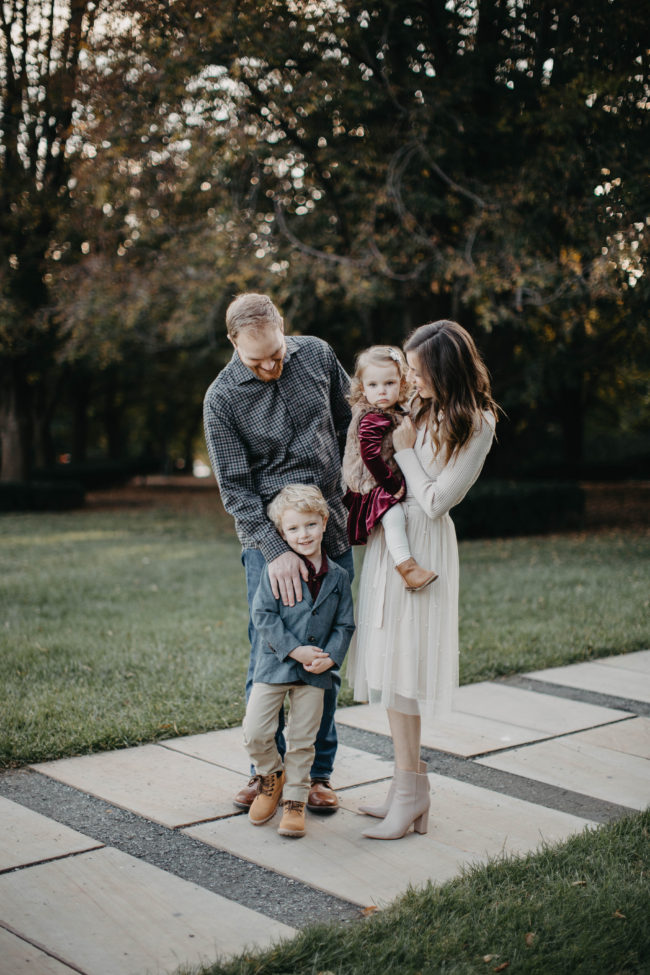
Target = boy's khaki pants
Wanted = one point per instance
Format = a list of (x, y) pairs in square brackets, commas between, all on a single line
[(261, 724)]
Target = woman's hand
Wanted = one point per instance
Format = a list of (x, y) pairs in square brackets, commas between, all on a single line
[(404, 435)]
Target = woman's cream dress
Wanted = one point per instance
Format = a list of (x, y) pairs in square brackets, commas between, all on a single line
[(405, 650)]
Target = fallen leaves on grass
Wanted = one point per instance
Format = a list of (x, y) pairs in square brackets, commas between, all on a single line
[(530, 939)]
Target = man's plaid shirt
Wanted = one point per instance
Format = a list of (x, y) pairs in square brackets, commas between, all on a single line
[(263, 435)]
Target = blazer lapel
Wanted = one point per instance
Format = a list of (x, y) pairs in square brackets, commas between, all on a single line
[(330, 582)]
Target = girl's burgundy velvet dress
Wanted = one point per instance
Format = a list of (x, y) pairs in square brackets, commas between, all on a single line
[(365, 510)]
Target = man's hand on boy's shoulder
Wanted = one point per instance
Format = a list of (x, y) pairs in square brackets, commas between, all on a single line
[(313, 659), (285, 573)]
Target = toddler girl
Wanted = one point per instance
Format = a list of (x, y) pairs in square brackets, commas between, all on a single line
[(374, 482)]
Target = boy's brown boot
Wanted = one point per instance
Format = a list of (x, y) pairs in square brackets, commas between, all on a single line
[(266, 801), (293, 818), (414, 576)]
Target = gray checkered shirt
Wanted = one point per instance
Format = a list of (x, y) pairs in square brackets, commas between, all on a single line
[(263, 435)]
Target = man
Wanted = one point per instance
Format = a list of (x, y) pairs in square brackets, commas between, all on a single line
[(278, 414)]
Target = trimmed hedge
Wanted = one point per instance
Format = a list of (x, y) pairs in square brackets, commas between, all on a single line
[(100, 474), (40, 496), (497, 509)]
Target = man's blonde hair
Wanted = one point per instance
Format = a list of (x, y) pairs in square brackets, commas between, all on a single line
[(300, 497), (251, 311)]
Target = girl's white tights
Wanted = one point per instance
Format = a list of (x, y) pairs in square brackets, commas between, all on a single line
[(394, 522)]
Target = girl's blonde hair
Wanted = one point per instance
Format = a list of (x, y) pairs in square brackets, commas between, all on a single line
[(301, 497), (378, 355), (449, 360)]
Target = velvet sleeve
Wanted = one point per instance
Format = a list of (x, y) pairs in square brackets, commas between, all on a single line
[(372, 430)]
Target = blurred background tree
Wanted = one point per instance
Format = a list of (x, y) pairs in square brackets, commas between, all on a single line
[(372, 169)]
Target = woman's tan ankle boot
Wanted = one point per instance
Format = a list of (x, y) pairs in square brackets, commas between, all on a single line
[(414, 576), (409, 806), (380, 811)]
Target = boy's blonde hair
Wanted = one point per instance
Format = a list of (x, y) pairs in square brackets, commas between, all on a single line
[(251, 311), (300, 497), (378, 355)]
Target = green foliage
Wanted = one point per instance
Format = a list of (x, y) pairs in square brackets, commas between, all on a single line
[(371, 168), (40, 55)]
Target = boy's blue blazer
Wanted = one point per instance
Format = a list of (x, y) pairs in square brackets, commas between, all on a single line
[(327, 623)]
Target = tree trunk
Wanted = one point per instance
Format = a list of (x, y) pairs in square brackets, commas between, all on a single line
[(80, 396), (572, 420), (113, 420), (43, 401), (15, 428)]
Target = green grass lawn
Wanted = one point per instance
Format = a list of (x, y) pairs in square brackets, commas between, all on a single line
[(130, 626)]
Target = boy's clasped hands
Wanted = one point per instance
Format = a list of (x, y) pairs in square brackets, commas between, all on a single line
[(313, 659)]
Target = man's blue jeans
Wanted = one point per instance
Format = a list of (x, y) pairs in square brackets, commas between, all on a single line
[(326, 740)]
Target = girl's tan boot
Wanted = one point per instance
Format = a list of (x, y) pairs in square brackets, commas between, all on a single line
[(414, 576)]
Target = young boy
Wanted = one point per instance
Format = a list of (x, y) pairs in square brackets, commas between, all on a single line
[(302, 643)]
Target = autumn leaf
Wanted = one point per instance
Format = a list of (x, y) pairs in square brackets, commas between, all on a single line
[(618, 914), (487, 958), (502, 967), (579, 883), (369, 910), (530, 938)]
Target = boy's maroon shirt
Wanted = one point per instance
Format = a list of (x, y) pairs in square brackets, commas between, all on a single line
[(315, 579)]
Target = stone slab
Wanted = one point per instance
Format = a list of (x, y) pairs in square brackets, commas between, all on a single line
[(157, 783), (543, 712), (107, 913), (467, 825), (617, 676), (458, 734), (27, 837), (18, 957), (639, 661), (226, 749), (576, 764), (630, 737), (488, 717)]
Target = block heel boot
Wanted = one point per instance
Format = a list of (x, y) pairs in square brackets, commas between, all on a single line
[(409, 806), (380, 811)]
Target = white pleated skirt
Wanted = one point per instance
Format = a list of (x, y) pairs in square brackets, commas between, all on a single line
[(405, 650)]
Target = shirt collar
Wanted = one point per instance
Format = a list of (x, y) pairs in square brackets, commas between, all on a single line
[(323, 565)]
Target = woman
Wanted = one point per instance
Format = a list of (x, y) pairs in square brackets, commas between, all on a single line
[(406, 651)]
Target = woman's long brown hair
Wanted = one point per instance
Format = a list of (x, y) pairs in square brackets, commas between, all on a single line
[(450, 362)]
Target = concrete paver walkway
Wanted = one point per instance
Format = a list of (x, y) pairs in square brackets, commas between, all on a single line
[(136, 861)]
